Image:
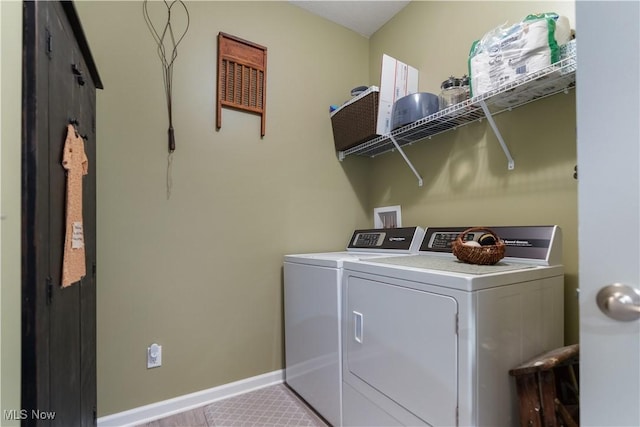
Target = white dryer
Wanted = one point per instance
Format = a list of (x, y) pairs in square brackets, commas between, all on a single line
[(313, 311), (429, 340)]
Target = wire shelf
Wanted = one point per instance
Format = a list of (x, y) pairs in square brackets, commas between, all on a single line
[(556, 78)]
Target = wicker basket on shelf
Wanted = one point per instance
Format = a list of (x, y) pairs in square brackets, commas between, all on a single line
[(356, 121), (484, 254)]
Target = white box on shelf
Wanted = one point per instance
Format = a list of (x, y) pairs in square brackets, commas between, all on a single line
[(396, 80)]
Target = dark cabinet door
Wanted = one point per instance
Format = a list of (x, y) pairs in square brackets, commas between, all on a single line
[(59, 324)]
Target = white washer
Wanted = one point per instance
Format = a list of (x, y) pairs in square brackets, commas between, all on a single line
[(429, 340), (312, 314)]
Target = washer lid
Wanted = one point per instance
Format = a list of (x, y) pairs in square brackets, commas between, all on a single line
[(334, 259)]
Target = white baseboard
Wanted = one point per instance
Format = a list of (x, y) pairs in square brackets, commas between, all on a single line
[(165, 408)]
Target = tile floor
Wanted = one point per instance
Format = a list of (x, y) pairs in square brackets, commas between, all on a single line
[(272, 406)]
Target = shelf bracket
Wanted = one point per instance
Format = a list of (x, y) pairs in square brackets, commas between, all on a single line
[(406, 159), (492, 123)]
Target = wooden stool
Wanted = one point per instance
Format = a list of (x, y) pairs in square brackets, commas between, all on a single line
[(547, 387)]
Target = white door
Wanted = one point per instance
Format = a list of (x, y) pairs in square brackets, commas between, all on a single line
[(608, 115)]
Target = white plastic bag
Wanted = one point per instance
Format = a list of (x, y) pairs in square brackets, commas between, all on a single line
[(506, 54)]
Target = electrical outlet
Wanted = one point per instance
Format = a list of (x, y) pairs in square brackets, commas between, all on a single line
[(154, 356)]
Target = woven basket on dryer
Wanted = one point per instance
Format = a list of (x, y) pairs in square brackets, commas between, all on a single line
[(483, 255)]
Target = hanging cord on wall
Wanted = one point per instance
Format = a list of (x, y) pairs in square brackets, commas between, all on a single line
[(168, 55), (169, 175)]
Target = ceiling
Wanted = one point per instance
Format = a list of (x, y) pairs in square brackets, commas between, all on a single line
[(362, 16)]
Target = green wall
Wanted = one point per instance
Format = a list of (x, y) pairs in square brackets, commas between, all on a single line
[(466, 180), (200, 272), (10, 125)]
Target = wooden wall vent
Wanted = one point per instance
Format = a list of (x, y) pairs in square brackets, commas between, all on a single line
[(242, 77)]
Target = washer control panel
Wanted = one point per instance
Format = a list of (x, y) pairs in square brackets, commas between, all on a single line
[(402, 239), (369, 239)]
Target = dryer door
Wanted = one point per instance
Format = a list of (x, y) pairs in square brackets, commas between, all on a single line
[(403, 345)]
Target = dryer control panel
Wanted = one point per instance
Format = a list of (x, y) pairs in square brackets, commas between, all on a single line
[(534, 243), (443, 239)]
